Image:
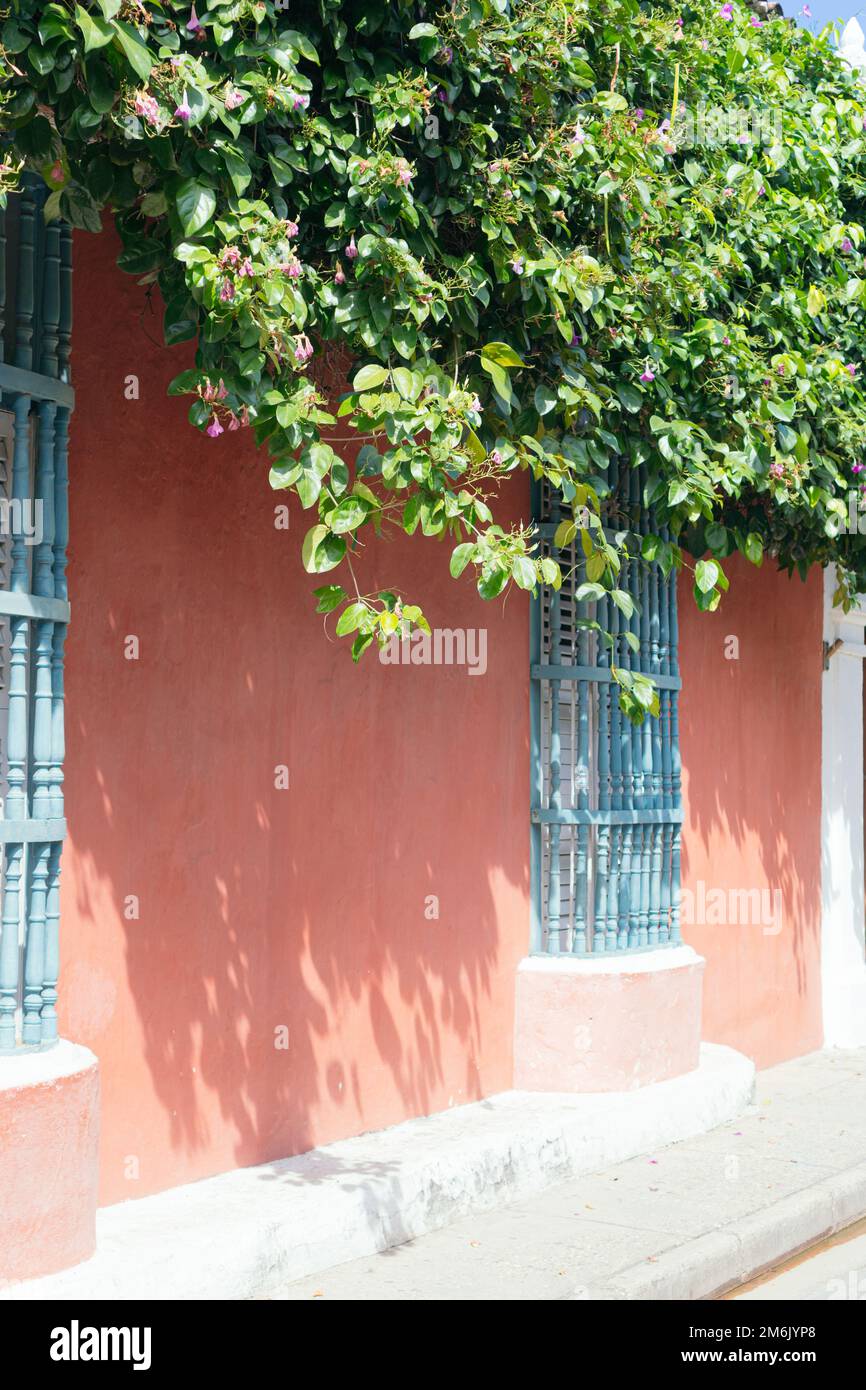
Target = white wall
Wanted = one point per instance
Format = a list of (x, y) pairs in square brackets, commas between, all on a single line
[(843, 963)]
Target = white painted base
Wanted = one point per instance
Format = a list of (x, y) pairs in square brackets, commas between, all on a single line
[(247, 1233), (42, 1068)]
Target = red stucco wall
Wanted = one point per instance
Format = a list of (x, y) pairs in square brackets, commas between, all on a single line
[(304, 909), (263, 908), (751, 749)]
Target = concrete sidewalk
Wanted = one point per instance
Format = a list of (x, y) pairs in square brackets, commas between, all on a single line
[(685, 1222)]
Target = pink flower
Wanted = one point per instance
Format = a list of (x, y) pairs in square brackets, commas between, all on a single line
[(294, 270), (705, 43), (847, 245), (299, 102), (214, 428), (351, 250), (446, 55), (340, 276), (496, 457), (303, 349), (148, 107), (194, 24), (777, 470), (807, 12), (234, 422), (729, 193), (517, 265), (404, 176), (230, 256), (578, 138), (726, 342), (476, 405), (647, 374), (227, 291), (678, 23), (291, 229), (856, 468), (247, 269), (726, 12), (851, 369), (756, 22), (183, 112), (234, 99), (639, 113)]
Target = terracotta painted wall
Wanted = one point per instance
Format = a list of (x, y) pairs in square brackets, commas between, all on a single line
[(751, 750), (264, 908)]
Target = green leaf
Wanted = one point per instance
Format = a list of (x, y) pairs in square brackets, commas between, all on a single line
[(351, 513), (523, 572), (351, 618), (136, 50), (499, 377), (301, 43), (630, 396), (816, 301), (706, 575), (502, 355), (369, 377), (754, 548), (623, 601), (330, 596), (97, 33), (196, 204), (460, 557), (284, 473), (321, 551)]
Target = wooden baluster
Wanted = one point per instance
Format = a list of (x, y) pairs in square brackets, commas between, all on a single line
[(34, 946), (43, 585), (2, 283), (582, 798), (65, 319), (602, 842), (676, 767), (554, 905), (51, 948), (58, 739), (25, 289), (49, 364), (9, 944)]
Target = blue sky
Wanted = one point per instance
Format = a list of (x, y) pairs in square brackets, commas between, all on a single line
[(825, 10)]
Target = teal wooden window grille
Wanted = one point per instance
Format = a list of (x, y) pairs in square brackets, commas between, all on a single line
[(35, 404), (606, 805)]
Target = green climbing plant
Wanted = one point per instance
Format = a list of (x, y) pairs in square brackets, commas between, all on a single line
[(547, 234)]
